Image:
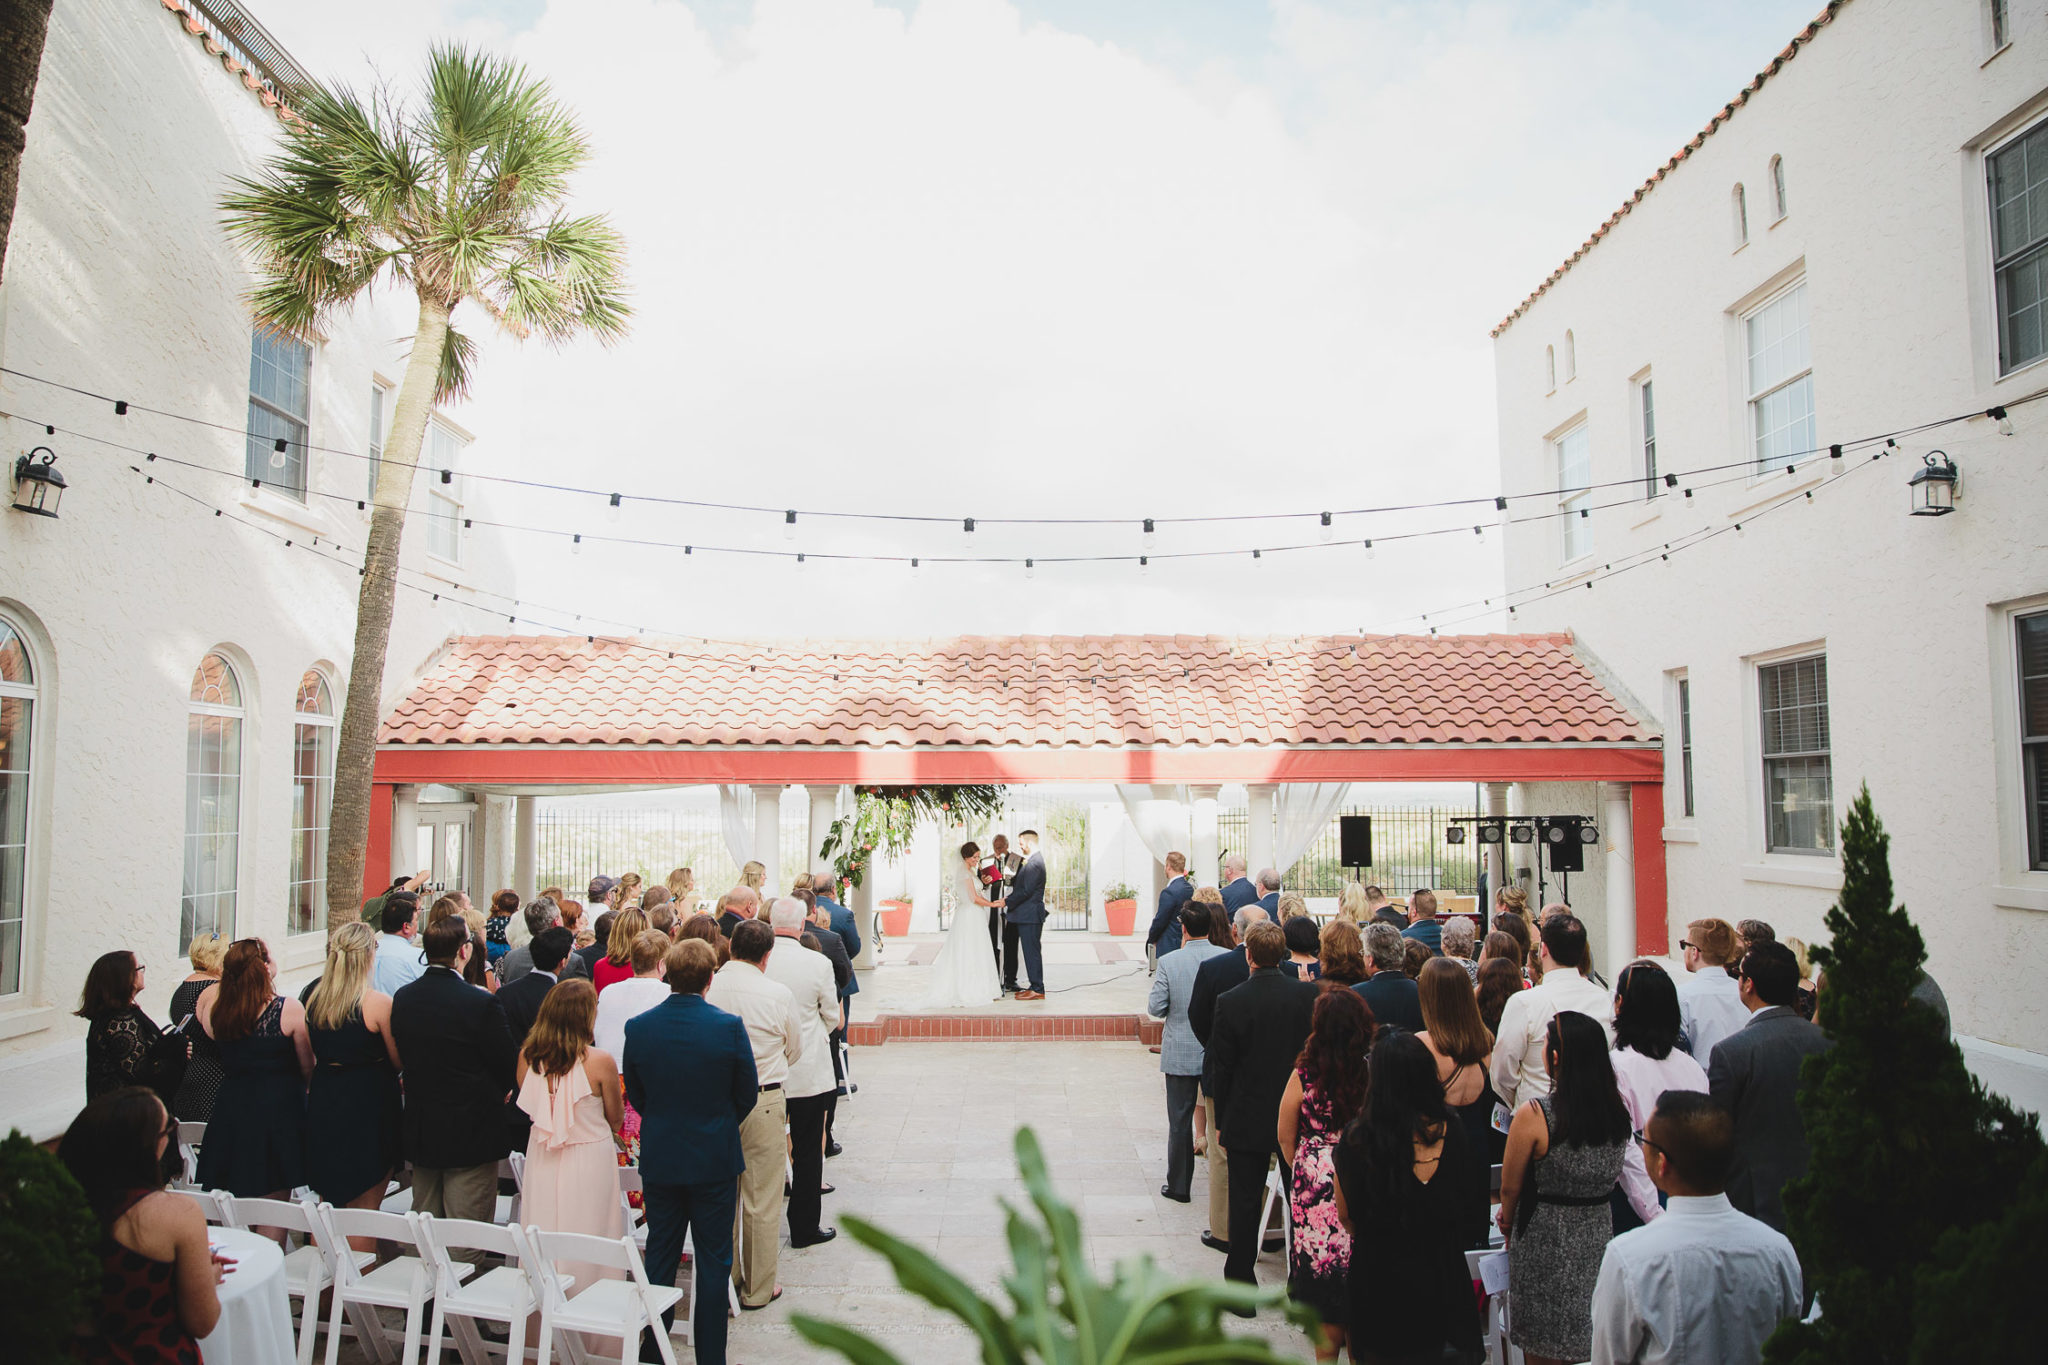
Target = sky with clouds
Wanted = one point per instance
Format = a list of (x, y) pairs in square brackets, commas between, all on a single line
[(1053, 258)]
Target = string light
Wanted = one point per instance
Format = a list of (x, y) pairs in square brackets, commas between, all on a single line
[(1369, 551), (1150, 538), (1030, 569), (1327, 530), (611, 511), (277, 454), (576, 545), (2003, 419), (789, 525)]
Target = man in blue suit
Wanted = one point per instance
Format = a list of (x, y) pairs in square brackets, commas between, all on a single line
[(842, 925), (1165, 930), (1025, 908), (1269, 893), (689, 1070), (1238, 891)]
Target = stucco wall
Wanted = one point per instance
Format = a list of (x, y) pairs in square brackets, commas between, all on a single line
[(1881, 121)]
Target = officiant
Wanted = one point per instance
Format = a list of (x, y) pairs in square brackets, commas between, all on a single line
[(995, 873)]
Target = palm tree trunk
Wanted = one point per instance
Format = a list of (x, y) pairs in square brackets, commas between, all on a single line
[(23, 26), (362, 712)]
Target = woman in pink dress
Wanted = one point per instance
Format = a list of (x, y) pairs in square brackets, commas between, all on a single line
[(572, 1091)]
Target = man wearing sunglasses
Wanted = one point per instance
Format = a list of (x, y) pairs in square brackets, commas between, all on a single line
[(1704, 1282)]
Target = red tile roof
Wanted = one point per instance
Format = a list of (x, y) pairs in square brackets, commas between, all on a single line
[(1803, 37), (1062, 692)]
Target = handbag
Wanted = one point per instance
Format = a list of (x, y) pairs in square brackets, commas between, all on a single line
[(163, 1066)]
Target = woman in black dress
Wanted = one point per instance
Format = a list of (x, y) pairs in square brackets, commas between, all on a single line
[(352, 1108), (1406, 1191), (122, 1047), (256, 1142), (194, 1101)]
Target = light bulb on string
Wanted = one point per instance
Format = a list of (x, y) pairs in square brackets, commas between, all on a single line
[(1368, 550), (1999, 415), (967, 533), (1030, 569), (1327, 530), (576, 545), (1480, 532), (1257, 558), (611, 512), (1144, 566), (789, 525), (277, 454), (1150, 538)]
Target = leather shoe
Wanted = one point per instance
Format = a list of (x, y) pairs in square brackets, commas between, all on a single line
[(833, 1149), (1167, 1191), (824, 1235), (1030, 995), (1215, 1243)]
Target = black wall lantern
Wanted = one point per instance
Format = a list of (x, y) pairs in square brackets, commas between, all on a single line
[(38, 487), (1934, 488)]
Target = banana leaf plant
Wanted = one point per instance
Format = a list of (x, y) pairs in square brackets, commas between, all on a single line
[(885, 819), (1060, 1313)]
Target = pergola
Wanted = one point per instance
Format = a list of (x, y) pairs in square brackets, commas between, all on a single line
[(527, 716)]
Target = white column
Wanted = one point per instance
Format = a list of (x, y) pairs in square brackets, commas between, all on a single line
[(405, 829), (1259, 827), (768, 835), (824, 806), (863, 908), (526, 846), (1617, 835), (1497, 854), (1203, 869)]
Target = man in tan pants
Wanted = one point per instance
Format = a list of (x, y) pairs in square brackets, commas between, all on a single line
[(768, 1009)]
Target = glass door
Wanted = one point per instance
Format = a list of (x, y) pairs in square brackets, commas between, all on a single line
[(444, 848)]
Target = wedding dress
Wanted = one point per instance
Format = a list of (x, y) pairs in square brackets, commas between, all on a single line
[(965, 973)]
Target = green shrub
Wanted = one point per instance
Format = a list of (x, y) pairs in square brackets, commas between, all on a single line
[(49, 1262)]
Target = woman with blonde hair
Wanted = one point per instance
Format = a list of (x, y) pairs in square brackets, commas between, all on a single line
[(617, 962), (753, 876), (629, 890), (1351, 904), (1292, 906), (352, 1105), (194, 1101), (682, 887), (571, 1090)]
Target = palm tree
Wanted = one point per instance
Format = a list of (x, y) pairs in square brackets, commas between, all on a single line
[(23, 26), (460, 198)]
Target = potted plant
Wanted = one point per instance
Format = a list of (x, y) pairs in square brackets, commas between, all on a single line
[(896, 917), (1120, 906)]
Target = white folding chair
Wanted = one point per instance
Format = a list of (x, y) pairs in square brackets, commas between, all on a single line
[(508, 1293), (612, 1308), (512, 1168), (190, 1136), (1276, 1192), (307, 1270), (404, 1282), (846, 1086), (217, 1205)]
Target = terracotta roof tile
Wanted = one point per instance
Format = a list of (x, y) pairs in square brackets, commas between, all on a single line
[(1089, 692)]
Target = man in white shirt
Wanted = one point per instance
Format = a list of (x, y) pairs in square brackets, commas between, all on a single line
[(1520, 1070), (1709, 999), (399, 960), (767, 1008), (808, 975), (1704, 1282)]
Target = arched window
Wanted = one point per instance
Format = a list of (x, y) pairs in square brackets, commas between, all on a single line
[(1741, 209), (1549, 368), (213, 800), (1777, 188), (1571, 358), (312, 795), (17, 720)]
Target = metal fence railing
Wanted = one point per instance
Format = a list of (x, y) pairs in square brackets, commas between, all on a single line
[(578, 842), (235, 29), (1408, 848), (1063, 838)]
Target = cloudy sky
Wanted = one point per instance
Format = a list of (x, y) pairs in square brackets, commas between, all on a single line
[(1054, 258)]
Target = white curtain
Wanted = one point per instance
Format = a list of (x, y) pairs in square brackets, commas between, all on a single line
[(1160, 815), (736, 818), (1302, 810)]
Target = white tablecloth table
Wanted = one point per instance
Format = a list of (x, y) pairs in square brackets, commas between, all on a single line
[(255, 1326)]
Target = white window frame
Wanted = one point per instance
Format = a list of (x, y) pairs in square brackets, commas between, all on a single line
[(240, 713), (1753, 395), (1645, 409), (380, 428), (311, 873), (1997, 27), (2020, 885), (2033, 251), (444, 500), (2031, 753), (1681, 692), (257, 461), (1574, 505), (1550, 369), (1766, 757), (33, 694)]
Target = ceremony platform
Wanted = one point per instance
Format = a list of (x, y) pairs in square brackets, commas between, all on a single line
[(1095, 992)]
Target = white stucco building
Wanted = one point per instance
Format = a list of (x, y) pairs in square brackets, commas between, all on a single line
[(1856, 246), (170, 666)]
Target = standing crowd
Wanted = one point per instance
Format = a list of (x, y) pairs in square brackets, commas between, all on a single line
[(707, 1050), (1421, 1089)]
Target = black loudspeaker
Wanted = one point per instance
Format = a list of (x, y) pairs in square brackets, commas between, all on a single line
[(1354, 839), (1560, 835)]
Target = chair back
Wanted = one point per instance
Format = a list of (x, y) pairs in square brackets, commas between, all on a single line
[(332, 1227), (217, 1205), (439, 1237), (254, 1214), (553, 1248)]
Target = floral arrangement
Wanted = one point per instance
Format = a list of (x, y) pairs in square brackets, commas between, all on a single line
[(886, 819)]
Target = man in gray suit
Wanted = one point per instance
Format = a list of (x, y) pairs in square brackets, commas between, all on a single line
[(1180, 1052), (541, 916), (1754, 1073)]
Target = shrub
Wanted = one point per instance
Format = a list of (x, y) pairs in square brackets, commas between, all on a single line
[(49, 1260)]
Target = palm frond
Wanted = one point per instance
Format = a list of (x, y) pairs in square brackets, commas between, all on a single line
[(458, 366)]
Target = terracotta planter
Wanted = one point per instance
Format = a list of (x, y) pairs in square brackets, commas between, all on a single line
[(896, 918), (1123, 916)]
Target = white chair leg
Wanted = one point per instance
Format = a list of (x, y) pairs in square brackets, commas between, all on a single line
[(662, 1342), (413, 1313), (334, 1331), (515, 1348), (309, 1323), (435, 1326), (547, 1338)]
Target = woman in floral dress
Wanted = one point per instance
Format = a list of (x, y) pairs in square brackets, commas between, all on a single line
[(1324, 1094)]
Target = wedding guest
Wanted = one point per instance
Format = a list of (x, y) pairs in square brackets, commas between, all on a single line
[(1460, 1043), (1378, 907), (571, 1090), (843, 923), (682, 889), (1754, 1073), (194, 1100), (753, 877), (1559, 910), (517, 936), (1387, 988), (1180, 1052), (1293, 905), (1749, 933), (661, 916), (1237, 889), (1205, 992), (1414, 953), (1499, 978), (1324, 1093), (617, 962), (1165, 935), (599, 946), (1351, 904), (1269, 893), (1513, 900), (627, 893), (1706, 1283), (704, 927), (539, 916), (822, 938), (1564, 1156), (1458, 936), (576, 920), (810, 1088), (1709, 1002), (478, 971), (1258, 1033), (460, 1069), (1422, 926), (1499, 943), (121, 1043), (626, 1001), (1520, 1072), (768, 1009), (504, 909), (353, 1108), (1406, 1191), (689, 1071), (1304, 947), (256, 1141), (159, 1278), (1647, 1062), (740, 903), (1341, 954), (1517, 928), (399, 962), (546, 952)]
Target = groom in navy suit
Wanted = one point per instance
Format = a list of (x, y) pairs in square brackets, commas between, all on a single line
[(689, 1071), (1025, 908)]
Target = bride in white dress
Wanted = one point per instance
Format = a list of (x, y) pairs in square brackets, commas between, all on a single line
[(965, 973)]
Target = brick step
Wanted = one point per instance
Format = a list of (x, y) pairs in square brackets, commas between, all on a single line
[(1007, 1027)]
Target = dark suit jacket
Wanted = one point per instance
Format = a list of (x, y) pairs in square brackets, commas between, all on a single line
[(834, 947), (728, 921), (690, 1073), (1239, 894), (1259, 1029), (1270, 903), (1387, 914), (459, 1070), (1393, 999), (521, 1003), (1428, 933), (849, 934), (1754, 1071), (1026, 902), (1219, 974), (1165, 930), (586, 960)]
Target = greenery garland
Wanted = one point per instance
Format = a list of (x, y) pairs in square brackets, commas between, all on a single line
[(886, 819)]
